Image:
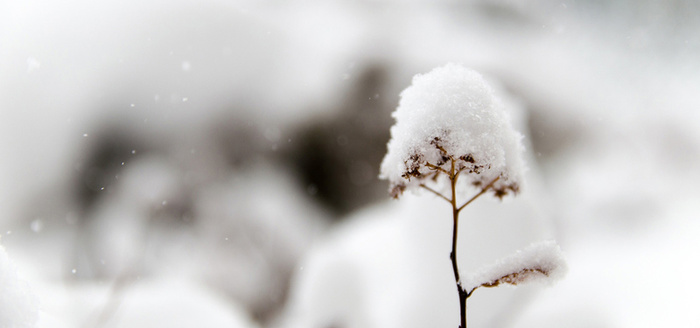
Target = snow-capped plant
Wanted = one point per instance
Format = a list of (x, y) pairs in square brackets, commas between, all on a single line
[(452, 136), (451, 117)]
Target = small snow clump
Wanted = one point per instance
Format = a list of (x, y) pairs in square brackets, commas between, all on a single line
[(452, 114), (539, 262), (18, 306)]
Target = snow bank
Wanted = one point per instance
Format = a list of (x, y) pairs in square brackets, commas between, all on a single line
[(452, 112), (18, 306), (178, 302)]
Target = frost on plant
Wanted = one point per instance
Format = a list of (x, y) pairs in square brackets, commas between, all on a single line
[(451, 134), (452, 113)]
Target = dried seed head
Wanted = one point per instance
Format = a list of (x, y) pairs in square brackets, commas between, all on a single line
[(517, 277)]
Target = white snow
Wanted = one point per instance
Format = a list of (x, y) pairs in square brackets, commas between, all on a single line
[(18, 305), (539, 262), (452, 107)]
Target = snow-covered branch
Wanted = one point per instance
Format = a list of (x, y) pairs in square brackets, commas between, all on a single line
[(540, 262)]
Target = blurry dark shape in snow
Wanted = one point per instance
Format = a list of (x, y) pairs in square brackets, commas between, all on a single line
[(257, 225), (140, 190), (552, 131), (339, 155), (242, 142), (218, 188), (98, 171)]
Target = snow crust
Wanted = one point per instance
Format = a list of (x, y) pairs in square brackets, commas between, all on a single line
[(541, 262), (18, 306), (453, 108)]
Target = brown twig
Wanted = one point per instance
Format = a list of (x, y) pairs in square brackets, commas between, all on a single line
[(436, 168), (443, 151), (435, 192), (453, 255), (484, 190)]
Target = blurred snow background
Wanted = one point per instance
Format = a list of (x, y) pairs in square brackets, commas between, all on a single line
[(214, 163)]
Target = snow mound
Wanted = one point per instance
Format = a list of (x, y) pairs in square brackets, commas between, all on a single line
[(18, 306)]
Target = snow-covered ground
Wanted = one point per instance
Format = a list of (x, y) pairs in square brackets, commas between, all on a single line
[(161, 163)]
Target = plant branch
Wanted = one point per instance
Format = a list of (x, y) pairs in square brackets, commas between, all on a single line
[(443, 151), (436, 168), (484, 190), (436, 193), (512, 278), (458, 172), (453, 255)]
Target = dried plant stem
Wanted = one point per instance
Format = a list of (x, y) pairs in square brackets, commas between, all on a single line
[(453, 255), (485, 189), (435, 192), (463, 294), (436, 168)]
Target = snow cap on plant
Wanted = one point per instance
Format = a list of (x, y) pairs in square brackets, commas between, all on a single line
[(540, 262), (451, 114)]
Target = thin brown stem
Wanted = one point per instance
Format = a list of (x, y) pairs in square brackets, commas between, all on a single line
[(458, 172), (453, 175), (444, 151), (435, 192), (436, 168), (484, 190), (453, 255)]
